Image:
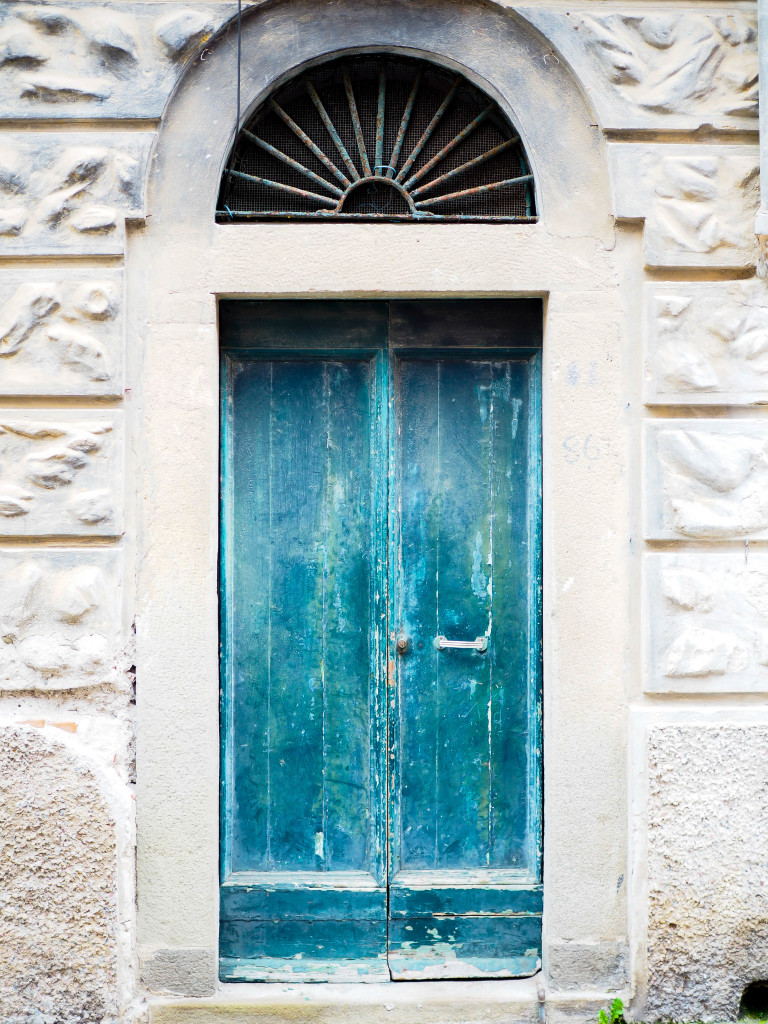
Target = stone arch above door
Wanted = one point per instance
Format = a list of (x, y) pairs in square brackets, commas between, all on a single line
[(496, 50)]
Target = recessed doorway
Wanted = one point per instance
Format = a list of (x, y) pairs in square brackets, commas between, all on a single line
[(381, 639)]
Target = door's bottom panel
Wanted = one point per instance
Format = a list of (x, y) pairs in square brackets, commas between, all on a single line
[(465, 947), (302, 934), (462, 932), (304, 969)]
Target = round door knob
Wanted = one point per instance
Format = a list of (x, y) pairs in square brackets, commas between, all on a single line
[(402, 644)]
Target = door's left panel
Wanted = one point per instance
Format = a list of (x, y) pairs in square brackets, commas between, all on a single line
[(303, 656)]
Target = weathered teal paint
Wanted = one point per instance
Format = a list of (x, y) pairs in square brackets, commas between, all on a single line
[(380, 480), (304, 631)]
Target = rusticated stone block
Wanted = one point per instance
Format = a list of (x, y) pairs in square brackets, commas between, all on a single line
[(706, 622), (653, 68), (707, 899), (697, 202), (706, 479), (706, 343), (60, 619), (70, 192), (95, 60), (61, 332), (58, 881), (61, 472)]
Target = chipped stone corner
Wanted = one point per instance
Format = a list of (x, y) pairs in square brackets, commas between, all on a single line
[(762, 256)]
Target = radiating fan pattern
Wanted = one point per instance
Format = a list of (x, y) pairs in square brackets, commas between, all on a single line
[(378, 136)]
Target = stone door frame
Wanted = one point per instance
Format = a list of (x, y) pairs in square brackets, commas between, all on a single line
[(179, 264)]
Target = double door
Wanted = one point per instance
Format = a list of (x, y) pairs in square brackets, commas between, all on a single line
[(380, 635)]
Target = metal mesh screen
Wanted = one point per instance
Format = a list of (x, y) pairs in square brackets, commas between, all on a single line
[(377, 136)]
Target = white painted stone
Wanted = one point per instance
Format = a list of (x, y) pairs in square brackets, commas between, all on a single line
[(60, 619), (61, 472), (61, 332), (706, 622), (92, 60), (706, 343), (698, 203), (706, 479), (70, 192), (58, 880), (653, 68), (707, 826)]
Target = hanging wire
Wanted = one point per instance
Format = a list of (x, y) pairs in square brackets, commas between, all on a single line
[(237, 115), (239, 59)]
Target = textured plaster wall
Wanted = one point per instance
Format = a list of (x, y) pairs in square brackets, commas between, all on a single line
[(641, 127), (59, 918), (707, 886)]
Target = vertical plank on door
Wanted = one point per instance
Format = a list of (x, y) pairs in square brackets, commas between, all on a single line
[(465, 893), (302, 600), (418, 497), (464, 587), (515, 743)]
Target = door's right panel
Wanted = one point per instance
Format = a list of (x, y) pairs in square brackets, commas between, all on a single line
[(465, 892)]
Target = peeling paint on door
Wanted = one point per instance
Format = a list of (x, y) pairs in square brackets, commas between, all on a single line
[(380, 491)]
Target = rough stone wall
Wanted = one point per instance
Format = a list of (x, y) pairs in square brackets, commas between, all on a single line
[(58, 885), (103, 75), (708, 893)]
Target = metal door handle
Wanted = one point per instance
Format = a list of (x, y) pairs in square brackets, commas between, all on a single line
[(481, 644)]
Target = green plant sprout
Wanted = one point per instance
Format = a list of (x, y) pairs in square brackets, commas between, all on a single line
[(615, 1014)]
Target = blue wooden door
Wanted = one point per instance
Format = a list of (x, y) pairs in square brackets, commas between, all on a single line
[(380, 583), (464, 866)]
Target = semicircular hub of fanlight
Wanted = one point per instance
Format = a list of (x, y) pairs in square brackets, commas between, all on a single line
[(377, 136)]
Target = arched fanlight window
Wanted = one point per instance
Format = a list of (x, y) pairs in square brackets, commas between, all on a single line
[(378, 136)]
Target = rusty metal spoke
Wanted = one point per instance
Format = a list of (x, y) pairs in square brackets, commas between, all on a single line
[(284, 188), (380, 109), (443, 153), (465, 167), (356, 124), (476, 191), (428, 131), (310, 144), (294, 164), (332, 131), (392, 169)]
